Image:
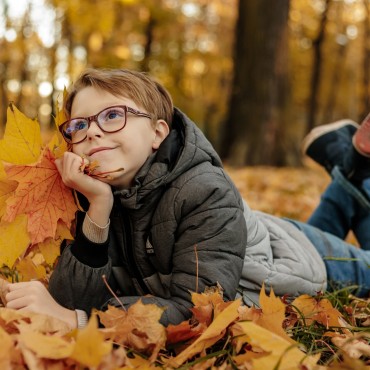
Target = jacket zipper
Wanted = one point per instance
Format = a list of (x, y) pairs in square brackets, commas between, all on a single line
[(128, 250)]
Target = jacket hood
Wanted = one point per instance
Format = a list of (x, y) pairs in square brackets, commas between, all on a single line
[(185, 147)]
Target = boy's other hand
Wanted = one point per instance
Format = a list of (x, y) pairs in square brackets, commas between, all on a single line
[(33, 296)]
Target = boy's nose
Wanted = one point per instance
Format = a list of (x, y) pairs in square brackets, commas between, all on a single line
[(94, 129)]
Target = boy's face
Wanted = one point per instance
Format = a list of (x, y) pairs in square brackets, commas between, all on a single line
[(128, 148)]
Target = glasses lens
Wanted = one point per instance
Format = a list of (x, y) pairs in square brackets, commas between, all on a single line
[(75, 130), (112, 119)]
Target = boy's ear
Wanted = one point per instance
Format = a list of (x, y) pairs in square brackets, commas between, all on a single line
[(161, 132)]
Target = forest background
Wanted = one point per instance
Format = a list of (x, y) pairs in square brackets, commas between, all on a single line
[(256, 75)]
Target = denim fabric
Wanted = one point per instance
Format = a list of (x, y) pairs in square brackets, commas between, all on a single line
[(343, 207), (345, 264)]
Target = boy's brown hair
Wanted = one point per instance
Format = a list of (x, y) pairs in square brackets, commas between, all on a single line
[(138, 86)]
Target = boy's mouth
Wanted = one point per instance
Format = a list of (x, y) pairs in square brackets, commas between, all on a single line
[(97, 150)]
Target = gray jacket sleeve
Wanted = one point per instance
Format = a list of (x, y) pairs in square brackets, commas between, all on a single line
[(76, 285)]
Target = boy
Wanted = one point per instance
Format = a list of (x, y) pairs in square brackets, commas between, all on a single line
[(167, 220)]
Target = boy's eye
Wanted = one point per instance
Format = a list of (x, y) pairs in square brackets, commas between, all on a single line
[(114, 114), (76, 126)]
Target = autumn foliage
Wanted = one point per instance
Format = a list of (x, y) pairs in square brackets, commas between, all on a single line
[(37, 208), (37, 211)]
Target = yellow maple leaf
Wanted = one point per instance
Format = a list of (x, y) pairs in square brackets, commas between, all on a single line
[(28, 270), (57, 145), (21, 143), (2, 171), (50, 249), (273, 314), (46, 346), (14, 240), (90, 346), (63, 231), (60, 116), (283, 354)]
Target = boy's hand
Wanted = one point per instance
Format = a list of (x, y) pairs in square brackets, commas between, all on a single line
[(98, 193), (33, 296)]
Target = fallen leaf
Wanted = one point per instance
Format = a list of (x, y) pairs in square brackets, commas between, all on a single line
[(21, 143), (42, 195), (138, 327), (282, 353), (29, 270), (90, 345), (320, 310), (214, 332), (183, 332), (14, 240), (5, 349), (354, 346), (31, 321), (50, 249), (273, 314), (46, 346)]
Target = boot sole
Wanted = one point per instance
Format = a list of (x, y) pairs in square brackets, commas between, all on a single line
[(324, 129), (361, 140)]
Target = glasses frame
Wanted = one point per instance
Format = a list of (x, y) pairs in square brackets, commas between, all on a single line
[(94, 118)]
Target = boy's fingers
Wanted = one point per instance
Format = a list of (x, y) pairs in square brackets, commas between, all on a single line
[(59, 164)]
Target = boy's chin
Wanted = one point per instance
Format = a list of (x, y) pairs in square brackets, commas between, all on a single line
[(117, 180)]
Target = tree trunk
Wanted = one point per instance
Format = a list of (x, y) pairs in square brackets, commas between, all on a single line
[(316, 70), (254, 130)]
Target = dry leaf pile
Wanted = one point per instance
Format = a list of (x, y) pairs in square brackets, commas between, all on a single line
[(36, 214), (226, 335)]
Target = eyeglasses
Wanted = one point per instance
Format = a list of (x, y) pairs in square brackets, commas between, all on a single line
[(111, 119)]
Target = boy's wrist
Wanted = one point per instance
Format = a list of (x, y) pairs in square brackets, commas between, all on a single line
[(100, 209), (94, 232)]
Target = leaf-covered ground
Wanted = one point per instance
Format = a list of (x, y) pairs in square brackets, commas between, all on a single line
[(330, 331), (286, 191)]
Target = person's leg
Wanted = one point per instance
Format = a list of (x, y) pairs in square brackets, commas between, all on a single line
[(343, 207), (345, 264), (343, 149)]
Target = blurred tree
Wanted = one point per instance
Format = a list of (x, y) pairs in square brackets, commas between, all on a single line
[(188, 45), (254, 131), (316, 69)]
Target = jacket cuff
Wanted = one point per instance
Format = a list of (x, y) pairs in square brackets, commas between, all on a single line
[(82, 319), (94, 232), (86, 251)]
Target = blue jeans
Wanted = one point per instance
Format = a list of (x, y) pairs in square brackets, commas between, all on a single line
[(343, 207)]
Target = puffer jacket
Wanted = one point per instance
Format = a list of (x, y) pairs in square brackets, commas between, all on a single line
[(182, 227), (279, 255), (178, 229)]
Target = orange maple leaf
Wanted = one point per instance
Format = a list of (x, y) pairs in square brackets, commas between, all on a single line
[(320, 310), (42, 196), (138, 327), (183, 332)]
